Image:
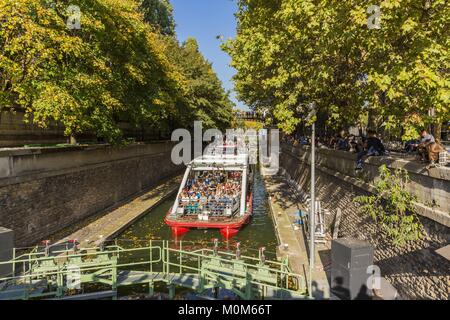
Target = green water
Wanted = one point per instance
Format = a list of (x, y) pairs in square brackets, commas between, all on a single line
[(258, 233)]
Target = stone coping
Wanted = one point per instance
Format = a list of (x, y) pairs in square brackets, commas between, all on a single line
[(391, 161), (24, 151), (28, 163)]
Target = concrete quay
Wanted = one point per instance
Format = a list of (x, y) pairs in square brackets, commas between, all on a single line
[(285, 205)]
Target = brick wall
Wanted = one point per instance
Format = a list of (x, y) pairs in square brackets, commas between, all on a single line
[(42, 193), (415, 270)]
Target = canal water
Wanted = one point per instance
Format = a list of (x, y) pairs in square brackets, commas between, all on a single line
[(258, 233)]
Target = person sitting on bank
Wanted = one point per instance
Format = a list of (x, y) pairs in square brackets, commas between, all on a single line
[(342, 143), (411, 146), (428, 148), (372, 147)]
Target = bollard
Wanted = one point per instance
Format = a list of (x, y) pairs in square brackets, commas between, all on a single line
[(216, 246), (74, 244), (238, 251), (46, 243), (262, 257)]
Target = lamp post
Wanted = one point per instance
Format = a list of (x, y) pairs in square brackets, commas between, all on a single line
[(312, 212)]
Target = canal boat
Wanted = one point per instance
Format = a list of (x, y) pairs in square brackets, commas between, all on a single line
[(215, 193)]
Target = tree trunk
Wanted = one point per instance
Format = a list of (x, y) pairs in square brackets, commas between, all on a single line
[(371, 123), (437, 131), (72, 139)]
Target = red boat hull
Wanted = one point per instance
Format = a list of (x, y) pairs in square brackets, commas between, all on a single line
[(179, 231), (228, 233), (228, 229)]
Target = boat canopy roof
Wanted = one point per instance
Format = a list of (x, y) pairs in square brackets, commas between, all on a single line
[(223, 162), (222, 157)]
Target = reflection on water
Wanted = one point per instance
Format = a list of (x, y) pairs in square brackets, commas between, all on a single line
[(258, 233)]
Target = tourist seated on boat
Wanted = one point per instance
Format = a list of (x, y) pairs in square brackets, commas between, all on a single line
[(192, 208), (184, 197), (193, 197), (203, 198), (213, 190)]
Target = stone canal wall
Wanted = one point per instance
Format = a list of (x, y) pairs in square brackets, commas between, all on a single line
[(45, 190), (415, 270)]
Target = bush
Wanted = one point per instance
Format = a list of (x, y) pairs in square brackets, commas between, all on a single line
[(392, 207)]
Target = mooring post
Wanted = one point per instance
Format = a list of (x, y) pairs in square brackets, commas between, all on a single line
[(238, 251), (216, 292), (151, 288), (171, 291), (216, 246), (47, 247), (262, 257)]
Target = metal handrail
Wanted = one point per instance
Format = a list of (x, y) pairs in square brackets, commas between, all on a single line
[(84, 252), (246, 266), (251, 270)]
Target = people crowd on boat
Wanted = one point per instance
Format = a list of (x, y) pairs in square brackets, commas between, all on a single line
[(213, 191)]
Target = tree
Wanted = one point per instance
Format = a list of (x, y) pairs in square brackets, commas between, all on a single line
[(289, 53), (160, 14), (205, 95), (114, 68)]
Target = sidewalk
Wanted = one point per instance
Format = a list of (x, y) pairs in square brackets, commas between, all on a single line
[(285, 206)]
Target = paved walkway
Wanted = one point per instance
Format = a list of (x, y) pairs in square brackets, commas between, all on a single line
[(285, 207), (113, 223)]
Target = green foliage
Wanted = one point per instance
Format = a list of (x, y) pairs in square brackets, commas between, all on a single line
[(253, 125), (160, 14), (116, 68), (392, 207), (84, 78), (291, 52), (205, 95)]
